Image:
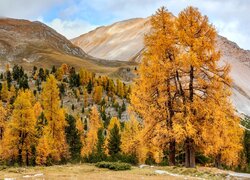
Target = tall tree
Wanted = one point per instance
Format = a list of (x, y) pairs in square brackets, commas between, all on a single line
[(20, 133), (91, 139), (114, 141), (154, 93), (55, 117), (3, 118), (181, 85), (73, 138)]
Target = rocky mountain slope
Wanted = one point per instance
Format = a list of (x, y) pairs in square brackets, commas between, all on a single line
[(33, 43), (26, 39), (124, 41)]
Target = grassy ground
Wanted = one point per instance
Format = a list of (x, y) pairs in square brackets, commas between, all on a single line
[(89, 171)]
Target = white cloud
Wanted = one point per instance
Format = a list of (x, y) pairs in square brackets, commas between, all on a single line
[(70, 28), (26, 9)]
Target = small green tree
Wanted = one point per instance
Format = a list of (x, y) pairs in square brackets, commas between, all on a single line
[(89, 87), (100, 145), (114, 141), (73, 138)]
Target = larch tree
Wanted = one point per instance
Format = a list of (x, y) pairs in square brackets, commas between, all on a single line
[(130, 138), (3, 119), (154, 92), (180, 85), (5, 94), (91, 139), (20, 134), (55, 117), (97, 96), (205, 83)]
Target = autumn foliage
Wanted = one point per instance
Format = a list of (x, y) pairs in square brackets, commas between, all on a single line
[(179, 106), (182, 93)]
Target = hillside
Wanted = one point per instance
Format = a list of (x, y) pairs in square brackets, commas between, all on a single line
[(124, 41), (33, 43)]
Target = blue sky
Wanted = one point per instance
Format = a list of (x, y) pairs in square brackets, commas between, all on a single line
[(75, 17)]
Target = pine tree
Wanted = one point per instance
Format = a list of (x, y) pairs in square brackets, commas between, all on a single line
[(100, 155), (114, 141), (73, 138)]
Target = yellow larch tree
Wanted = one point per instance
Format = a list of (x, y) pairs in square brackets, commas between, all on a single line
[(43, 150), (179, 82), (91, 138), (97, 95), (37, 109), (55, 116), (59, 73), (20, 134), (3, 119), (131, 139), (203, 80), (65, 68), (85, 98), (5, 94), (154, 92)]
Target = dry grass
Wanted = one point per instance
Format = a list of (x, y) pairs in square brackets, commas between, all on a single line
[(50, 57), (89, 171), (83, 171)]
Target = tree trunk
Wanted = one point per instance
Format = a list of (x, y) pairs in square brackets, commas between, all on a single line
[(218, 161), (189, 153), (20, 156), (27, 158), (172, 153)]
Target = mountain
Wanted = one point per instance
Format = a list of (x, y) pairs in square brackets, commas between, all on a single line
[(120, 41), (33, 43), (124, 41)]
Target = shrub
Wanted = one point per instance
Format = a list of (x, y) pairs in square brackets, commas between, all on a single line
[(116, 166)]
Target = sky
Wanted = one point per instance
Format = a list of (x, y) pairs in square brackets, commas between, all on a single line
[(75, 17)]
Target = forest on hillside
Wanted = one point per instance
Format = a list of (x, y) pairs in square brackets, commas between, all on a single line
[(176, 112)]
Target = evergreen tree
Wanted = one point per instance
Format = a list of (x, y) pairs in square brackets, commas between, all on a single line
[(89, 87), (23, 82), (53, 70), (73, 138), (9, 79), (41, 74), (100, 155), (114, 141)]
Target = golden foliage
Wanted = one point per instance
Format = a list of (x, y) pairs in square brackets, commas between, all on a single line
[(181, 92), (55, 116), (97, 96), (90, 141), (20, 134)]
